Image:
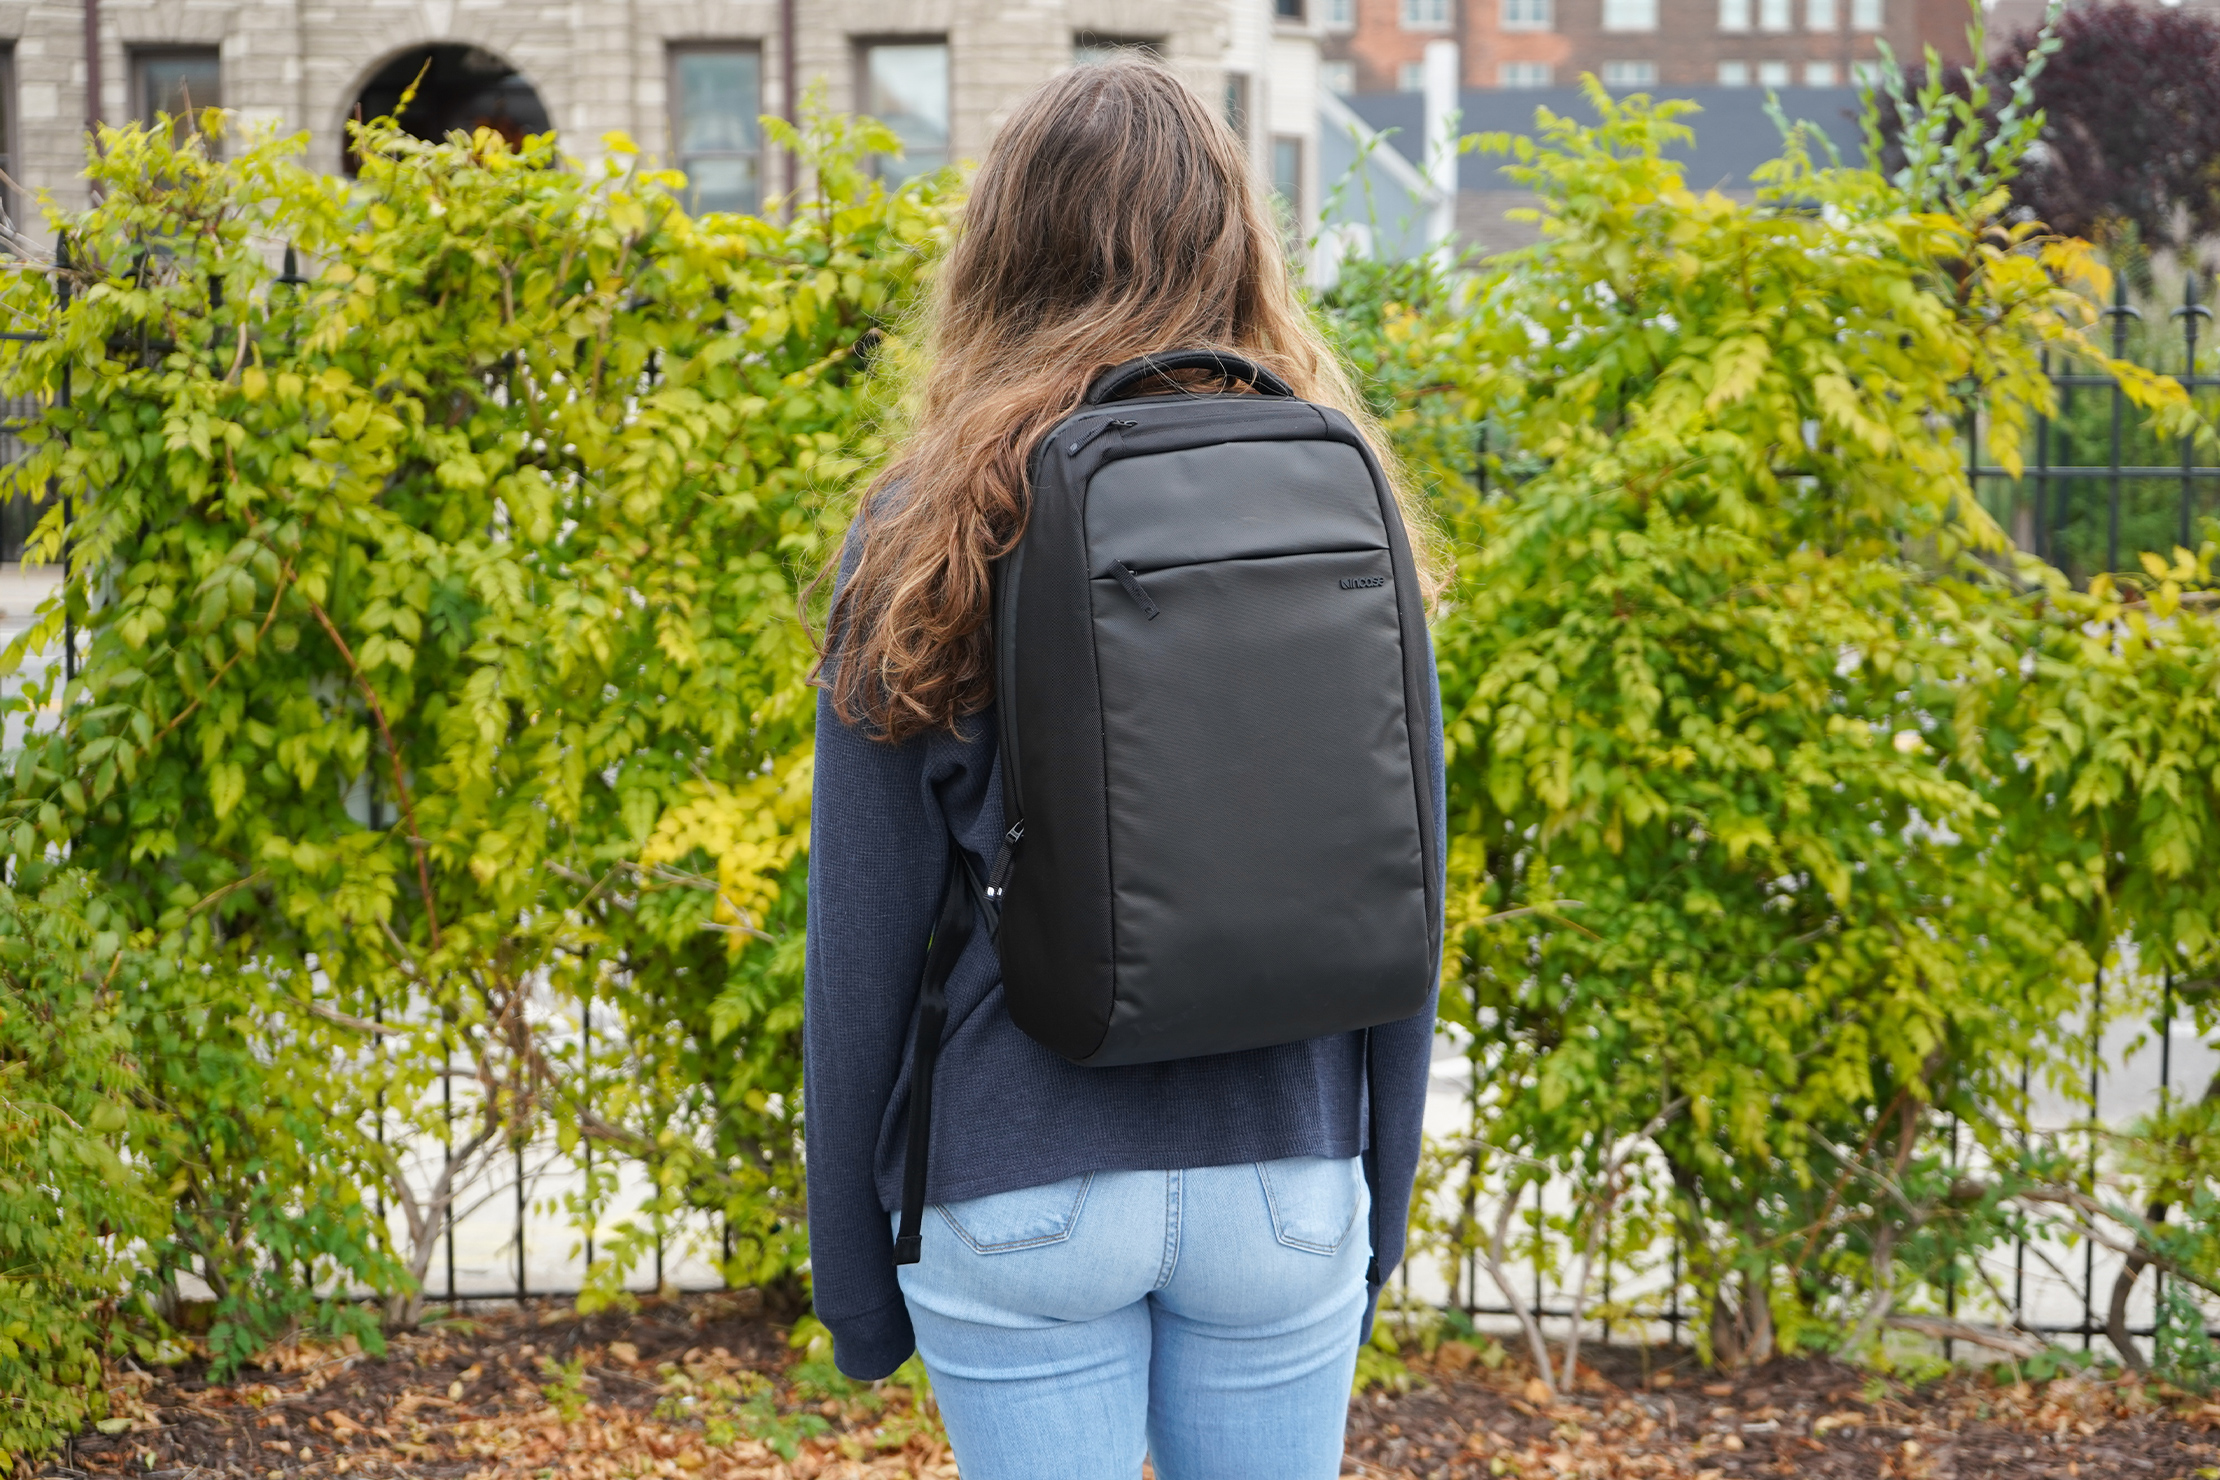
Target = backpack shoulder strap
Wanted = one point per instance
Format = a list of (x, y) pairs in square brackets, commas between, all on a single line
[(951, 933)]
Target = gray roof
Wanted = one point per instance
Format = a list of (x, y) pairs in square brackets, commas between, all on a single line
[(1733, 134)]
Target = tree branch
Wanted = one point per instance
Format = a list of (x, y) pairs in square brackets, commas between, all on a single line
[(1491, 1254), (393, 755)]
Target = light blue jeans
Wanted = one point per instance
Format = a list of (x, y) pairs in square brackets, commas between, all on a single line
[(1206, 1318)]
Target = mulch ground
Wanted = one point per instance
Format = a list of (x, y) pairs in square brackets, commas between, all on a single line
[(1809, 1418), (709, 1387)]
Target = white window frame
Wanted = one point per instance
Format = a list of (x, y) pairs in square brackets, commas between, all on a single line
[(1623, 74), (144, 105), (1773, 74), (1424, 15), (1822, 17), (1528, 15), (887, 167), (676, 56), (1734, 15), (1524, 74), (1867, 15), (1629, 16), (1289, 143), (1734, 74)]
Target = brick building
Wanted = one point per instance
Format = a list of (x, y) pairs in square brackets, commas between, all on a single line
[(1376, 45), (687, 79)]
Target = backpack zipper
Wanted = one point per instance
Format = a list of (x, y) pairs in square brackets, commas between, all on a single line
[(1078, 446), (998, 877), (1134, 588)]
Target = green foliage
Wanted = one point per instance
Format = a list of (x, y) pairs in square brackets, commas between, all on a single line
[(441, 708), (1951, 141), (1770, 846), (441, 676), (743, 1405), (70, 1205), (1380, 1364), (565, 1388)]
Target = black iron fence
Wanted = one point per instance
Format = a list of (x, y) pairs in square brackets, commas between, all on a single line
[(2058, 1287), (2098, 486), (2101, 486)]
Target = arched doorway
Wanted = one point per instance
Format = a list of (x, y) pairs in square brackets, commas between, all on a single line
[(463, 87)]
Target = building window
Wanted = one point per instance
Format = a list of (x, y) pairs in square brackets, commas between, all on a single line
[(1237, 104), (906, 88), (1522, 74), (1287, 173), (1425, 15), (1773, 15), (1410, 77), (1288, 10), (1087, 47), (1820, 15), (1819, 74), (1734, 74), (716, 102), (1526, 15), (1341, 15), (1338, 77), (1630, 15), (1865, 74), (1865, 15), (1734, 15), (1629, 74), (1772, 74), (179, 82)]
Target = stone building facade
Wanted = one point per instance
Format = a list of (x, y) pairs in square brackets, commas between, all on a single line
[(684, 78), (1376, 45)]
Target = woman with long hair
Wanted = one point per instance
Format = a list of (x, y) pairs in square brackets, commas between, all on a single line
[(1176, 1259)]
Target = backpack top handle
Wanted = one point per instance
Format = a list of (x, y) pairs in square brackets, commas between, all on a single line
[(1114, 383)]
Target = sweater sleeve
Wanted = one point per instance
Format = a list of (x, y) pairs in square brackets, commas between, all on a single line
[(878, 851), (1399, 1062)]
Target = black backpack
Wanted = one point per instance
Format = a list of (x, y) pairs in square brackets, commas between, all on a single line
[(1211, 677)]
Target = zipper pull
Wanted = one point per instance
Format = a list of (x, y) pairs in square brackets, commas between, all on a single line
[(1074, 449), (1134, 588), (999, 875)]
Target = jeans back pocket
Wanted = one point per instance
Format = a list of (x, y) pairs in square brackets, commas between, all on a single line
[(1313, 1200), (1027, 1218)]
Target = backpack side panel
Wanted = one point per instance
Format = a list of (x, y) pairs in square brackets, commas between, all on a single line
[(1054, 938), (1418, 677)]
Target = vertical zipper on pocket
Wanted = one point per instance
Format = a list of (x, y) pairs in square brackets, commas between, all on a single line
[(1133, 587), (1075, 447)]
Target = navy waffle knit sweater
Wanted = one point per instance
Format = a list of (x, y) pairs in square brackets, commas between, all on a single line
[(1008, 1112)]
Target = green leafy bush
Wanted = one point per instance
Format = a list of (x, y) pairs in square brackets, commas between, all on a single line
[(1772, 846), (71, 1206), (441, 675)]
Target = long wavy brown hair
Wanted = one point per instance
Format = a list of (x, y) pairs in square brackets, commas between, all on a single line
[(1115, 216)]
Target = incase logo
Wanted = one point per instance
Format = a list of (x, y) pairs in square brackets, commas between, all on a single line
[(1360, 583)]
